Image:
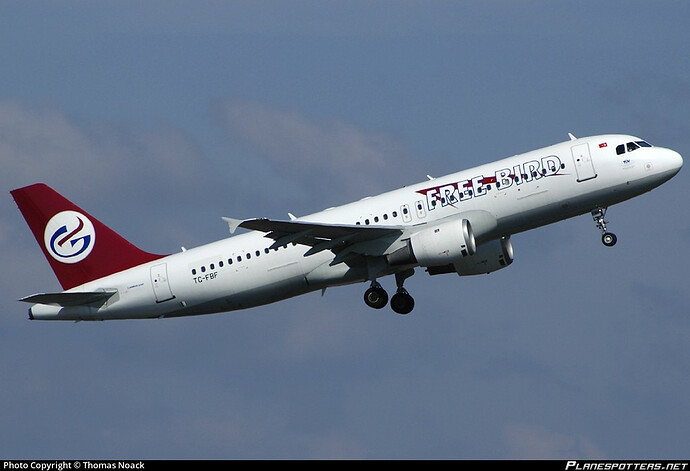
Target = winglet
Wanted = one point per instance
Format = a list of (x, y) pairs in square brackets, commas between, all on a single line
[(233, 224)]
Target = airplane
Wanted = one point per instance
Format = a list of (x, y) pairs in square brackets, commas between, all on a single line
[(460, 223)]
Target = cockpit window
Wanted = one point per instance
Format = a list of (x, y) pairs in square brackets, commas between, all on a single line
[(631, 146)]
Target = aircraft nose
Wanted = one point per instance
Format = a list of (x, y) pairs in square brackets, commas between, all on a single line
[(674, 160)]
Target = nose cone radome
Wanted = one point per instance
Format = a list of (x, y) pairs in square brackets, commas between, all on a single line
[(668, 163), (661, 164), (676, 160)]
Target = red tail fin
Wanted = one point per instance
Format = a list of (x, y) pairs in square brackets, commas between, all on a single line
[(78, 246)]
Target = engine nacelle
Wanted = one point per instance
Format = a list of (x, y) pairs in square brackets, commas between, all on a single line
[(444, 243), (489, 257)]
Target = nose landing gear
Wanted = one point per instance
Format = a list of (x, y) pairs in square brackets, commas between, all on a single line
[(609, 239)]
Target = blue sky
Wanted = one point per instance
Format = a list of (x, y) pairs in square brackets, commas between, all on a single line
[(161, 117)]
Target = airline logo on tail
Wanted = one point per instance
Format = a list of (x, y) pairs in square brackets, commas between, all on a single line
[(69, 237)]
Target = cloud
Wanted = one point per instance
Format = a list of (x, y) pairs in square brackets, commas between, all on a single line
[(329, 155), (90, 157), (528, 442)]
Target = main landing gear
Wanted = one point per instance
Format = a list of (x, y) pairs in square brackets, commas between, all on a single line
[(609, 239), (401, 302)]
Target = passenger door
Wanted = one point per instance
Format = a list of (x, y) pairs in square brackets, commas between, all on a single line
[(159, 280), (583, 162)]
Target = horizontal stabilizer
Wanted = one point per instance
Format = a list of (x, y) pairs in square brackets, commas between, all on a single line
[(69, 299)]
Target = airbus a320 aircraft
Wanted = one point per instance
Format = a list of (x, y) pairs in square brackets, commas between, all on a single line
[(460, 223)]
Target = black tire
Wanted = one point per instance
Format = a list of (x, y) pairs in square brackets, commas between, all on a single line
[(376, 297), (609, 239), (402, 303)]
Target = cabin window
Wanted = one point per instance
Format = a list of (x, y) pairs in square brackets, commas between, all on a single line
[(203, 269), (266, 250), (385, 217), (193, 271), (395, 214), (220, 264), (376, 219), (248, 256), (229, 261)]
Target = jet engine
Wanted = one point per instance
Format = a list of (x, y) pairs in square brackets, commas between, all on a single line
[(489, 257), (443, 243)]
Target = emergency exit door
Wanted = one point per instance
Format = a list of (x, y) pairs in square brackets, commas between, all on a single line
[(583, 162)]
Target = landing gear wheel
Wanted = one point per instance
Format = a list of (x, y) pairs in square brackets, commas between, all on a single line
[(609, 239), (402, 302), (376, 297)]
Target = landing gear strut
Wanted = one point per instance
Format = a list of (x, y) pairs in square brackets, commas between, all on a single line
[(609, 239)]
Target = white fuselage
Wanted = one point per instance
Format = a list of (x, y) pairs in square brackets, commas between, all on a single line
[(522, 192)]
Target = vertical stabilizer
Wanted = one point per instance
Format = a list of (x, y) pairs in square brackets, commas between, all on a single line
[(78, 246)]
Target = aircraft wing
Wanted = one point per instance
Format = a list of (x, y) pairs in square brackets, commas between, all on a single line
[(319, 236)]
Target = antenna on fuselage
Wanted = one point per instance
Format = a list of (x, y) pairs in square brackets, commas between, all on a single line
[(570, 135)]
